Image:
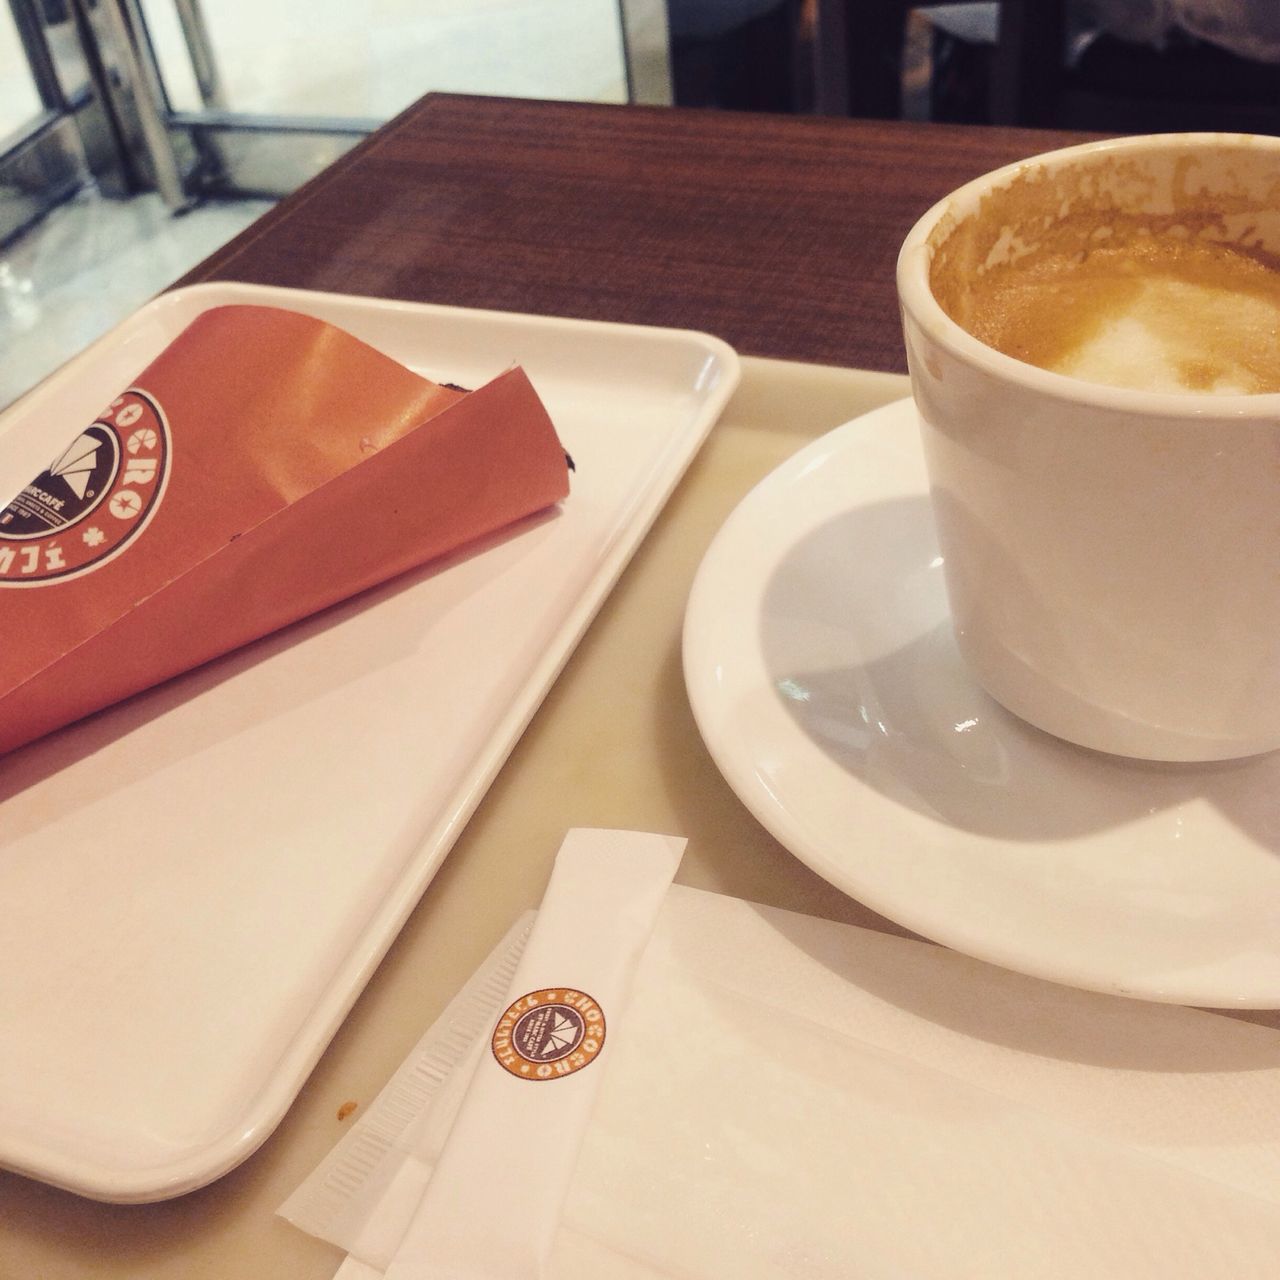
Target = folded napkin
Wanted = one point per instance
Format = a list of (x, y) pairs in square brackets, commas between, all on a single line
[(789, 1097)]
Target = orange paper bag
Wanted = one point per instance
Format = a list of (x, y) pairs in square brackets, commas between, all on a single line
[(266, 465)]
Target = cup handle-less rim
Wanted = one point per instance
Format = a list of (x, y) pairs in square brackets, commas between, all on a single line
[(919, 304)]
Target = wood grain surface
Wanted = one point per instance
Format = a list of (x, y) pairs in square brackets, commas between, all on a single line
[(777, 233)]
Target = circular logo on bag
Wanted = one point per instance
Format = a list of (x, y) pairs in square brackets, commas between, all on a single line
[(548, 1034), (93, 498)]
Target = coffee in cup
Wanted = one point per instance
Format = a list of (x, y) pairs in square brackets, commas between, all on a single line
[(1131, 306), (1093, 337)]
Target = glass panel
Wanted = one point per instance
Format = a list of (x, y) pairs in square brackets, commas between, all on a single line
[(88, 265), (19, 100), (368, 60)]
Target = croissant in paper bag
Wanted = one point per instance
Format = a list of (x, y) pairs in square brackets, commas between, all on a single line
[(266, 465)]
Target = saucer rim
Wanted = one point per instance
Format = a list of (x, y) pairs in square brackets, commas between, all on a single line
[(704, 674)]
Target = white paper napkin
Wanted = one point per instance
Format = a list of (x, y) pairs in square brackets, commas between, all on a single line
[(792, 1097), (491, 1209)]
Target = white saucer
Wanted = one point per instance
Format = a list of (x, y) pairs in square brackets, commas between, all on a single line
[(824, 678)]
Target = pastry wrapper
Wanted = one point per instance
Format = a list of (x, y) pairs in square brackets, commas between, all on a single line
[(265, 466)]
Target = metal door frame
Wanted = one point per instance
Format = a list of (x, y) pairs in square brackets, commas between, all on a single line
[(44, 162), (225, 152), (213, 151), (118, 128)]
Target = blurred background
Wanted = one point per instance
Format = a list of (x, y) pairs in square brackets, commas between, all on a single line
[(137, 136)]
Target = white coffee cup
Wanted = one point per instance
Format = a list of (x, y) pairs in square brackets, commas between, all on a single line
[(1112, 555)]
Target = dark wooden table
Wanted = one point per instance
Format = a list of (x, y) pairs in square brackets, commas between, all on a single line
[(779, 234)]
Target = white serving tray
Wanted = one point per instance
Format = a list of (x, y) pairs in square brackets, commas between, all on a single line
[(196, 885)]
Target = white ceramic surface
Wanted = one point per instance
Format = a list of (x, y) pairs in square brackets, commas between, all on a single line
[(198, 883), (824, 677), (1111, 552)]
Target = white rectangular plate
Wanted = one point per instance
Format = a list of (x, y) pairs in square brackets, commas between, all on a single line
[(197, 884)]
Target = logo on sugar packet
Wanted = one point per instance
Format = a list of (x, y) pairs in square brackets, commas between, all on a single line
[(548, 1034), (93, 498)]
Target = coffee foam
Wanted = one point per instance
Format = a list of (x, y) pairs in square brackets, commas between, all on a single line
[(1127, 272), (1159, 313)]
